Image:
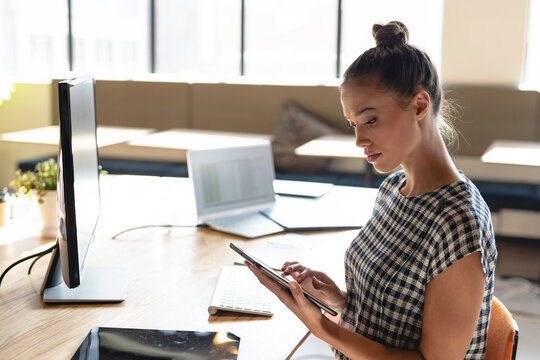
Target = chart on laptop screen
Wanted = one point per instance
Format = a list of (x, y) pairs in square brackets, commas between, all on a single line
[(229, 182), (233, 180)]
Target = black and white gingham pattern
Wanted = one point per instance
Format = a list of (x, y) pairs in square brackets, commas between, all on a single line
[(407, 242)]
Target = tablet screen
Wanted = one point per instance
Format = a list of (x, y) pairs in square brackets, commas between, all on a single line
[(120, 343), (280, 279)]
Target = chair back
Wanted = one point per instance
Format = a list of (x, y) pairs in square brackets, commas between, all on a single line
[(503, 333)]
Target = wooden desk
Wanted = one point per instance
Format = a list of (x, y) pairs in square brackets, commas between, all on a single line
[(196, 139), (172, 145), (171, 275), (513, 152), (142, 144), (336, 145), (50, 135)]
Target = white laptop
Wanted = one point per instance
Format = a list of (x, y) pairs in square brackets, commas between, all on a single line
[(232, 186)]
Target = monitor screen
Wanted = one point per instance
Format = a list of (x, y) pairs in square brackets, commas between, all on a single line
[(68, 279), (78, 176)]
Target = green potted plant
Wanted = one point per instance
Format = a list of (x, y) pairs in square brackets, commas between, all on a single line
[(41, 180), (41, 185)]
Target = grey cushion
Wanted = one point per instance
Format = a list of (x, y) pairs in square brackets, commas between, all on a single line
[(296, 128)]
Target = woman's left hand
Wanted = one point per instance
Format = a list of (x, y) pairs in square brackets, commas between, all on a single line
[(294, 299)]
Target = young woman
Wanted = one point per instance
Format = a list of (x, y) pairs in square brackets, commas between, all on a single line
[(420, 274)]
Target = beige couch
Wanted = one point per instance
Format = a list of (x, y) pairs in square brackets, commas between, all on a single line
[(484, 113)]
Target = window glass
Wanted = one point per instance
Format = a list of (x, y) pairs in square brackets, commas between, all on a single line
[(291, 39), (198, 38), (33, 37), (111, 37), (532, 65), (425, 25)]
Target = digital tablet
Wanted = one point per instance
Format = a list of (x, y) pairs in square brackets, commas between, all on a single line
[(127, 343), (280, 279)]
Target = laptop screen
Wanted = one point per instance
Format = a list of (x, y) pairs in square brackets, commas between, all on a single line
[(235, 178)]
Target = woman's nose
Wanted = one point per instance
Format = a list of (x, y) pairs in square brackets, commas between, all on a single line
[(361, 139)]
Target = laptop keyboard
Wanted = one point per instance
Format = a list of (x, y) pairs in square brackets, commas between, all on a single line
[(248, 225), (238, 290)]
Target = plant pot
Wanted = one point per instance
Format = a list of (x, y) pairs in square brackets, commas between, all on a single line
[(5, 209), (47, 212)]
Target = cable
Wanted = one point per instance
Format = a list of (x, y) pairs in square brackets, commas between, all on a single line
[(298, 345), (50, 249), (150, 226), (38, 255), (33, 262)]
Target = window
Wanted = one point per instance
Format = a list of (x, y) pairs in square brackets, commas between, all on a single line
[(284, 41), (111, 37), (33, 37), (198, 37), (532, 61), (425, 25), (291, 39)]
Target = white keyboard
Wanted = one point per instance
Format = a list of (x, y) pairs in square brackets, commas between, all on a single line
[(238, 290)]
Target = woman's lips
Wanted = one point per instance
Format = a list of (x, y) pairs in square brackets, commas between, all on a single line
[(372, 157)]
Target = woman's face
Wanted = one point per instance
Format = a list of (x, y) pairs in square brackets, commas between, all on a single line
[(387, 131)]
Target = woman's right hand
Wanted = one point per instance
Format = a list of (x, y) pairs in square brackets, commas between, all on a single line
[(317, 283)]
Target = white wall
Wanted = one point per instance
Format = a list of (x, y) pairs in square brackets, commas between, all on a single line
[(29, 107), (484, 42)]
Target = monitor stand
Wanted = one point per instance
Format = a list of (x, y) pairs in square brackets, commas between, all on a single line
[(98, 285)]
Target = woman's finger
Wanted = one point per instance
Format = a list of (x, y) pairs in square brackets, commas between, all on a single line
[(293, 268), (318, 284), (301, 301), (297, 292), (309, 273), (287, 264)]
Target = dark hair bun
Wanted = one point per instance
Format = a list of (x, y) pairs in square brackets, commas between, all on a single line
[(393, 33)]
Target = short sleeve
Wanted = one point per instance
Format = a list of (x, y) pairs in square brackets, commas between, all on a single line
[(462, 232)]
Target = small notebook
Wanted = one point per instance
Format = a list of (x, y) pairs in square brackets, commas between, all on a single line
[(238, 290)]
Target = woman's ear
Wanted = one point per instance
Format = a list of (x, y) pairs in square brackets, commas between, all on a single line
[(421, 103)]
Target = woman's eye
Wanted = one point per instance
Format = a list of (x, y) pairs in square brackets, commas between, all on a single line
[(371, 121), (352, 125)]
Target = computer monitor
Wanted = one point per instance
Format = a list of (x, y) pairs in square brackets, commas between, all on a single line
[(68, 278)]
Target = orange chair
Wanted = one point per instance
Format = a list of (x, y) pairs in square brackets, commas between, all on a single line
[(503, 333)]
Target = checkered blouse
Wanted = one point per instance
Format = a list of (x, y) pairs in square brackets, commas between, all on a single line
[(406, 243)]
